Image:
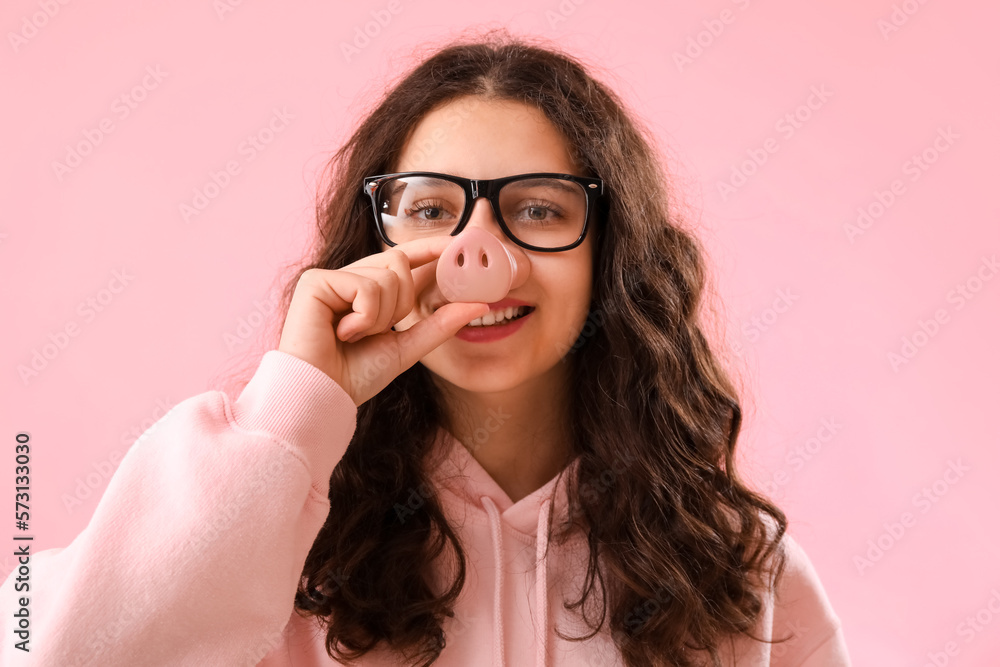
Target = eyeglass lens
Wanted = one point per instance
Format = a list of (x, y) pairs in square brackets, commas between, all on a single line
[(543, 212)]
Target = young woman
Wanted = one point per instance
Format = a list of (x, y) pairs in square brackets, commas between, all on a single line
[(405, 480)]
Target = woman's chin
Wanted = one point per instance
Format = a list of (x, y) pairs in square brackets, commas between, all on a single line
[(483, 377)]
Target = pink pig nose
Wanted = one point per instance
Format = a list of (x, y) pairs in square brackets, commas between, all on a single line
[(477, 267)]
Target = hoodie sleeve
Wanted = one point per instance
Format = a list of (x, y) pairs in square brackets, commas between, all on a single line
[(194, 552), (802, 609)]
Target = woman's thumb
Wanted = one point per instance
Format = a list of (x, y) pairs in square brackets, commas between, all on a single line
[(426, 335)]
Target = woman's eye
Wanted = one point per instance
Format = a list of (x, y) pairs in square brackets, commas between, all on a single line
[(430, 211), (539, 213), (429, 214)]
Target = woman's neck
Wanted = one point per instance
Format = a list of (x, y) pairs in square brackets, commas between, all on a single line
[(521, 436)]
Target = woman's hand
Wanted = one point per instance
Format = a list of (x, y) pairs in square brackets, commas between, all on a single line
[(339, 320)]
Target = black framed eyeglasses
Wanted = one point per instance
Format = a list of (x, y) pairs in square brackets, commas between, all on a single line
[(542, 211)]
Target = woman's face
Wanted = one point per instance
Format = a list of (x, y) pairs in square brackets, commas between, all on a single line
[(478, 138)]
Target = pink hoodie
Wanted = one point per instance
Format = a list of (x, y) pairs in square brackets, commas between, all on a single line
[(194, 552)]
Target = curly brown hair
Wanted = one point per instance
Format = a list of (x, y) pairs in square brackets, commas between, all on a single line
[(680, 548)]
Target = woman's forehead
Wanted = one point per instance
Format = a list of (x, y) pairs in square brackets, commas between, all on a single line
[(477, 137)]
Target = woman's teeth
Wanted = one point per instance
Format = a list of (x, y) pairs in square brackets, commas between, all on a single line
[(499, 316)]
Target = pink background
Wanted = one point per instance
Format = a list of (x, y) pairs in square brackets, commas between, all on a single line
[(812, 312)]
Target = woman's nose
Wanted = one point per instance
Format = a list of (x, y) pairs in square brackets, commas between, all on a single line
[(482, 216), (478, 267)]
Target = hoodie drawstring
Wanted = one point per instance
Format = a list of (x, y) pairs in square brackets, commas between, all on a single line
[(541, 586), (491, 509)]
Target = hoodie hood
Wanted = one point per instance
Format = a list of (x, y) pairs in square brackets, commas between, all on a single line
[(465, 487)]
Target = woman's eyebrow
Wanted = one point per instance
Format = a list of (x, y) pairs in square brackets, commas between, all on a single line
[(549, 182)]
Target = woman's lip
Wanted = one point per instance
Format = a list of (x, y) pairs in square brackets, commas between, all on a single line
[(486, 334)]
